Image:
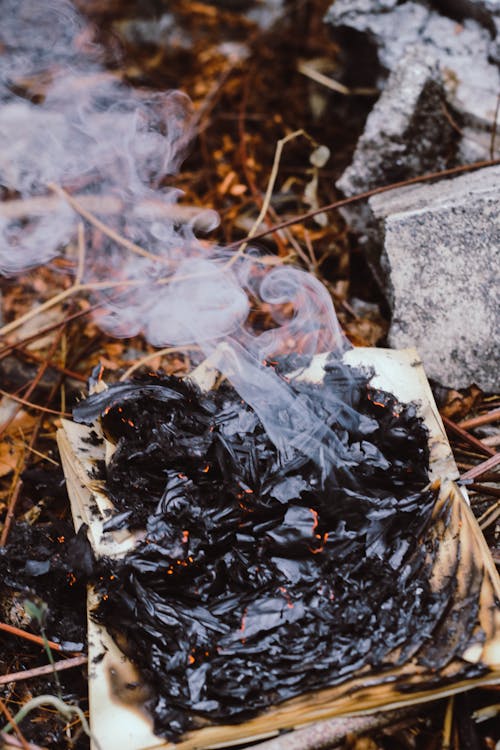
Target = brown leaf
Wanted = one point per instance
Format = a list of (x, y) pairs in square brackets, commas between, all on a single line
[(9, 457), (457, 404)]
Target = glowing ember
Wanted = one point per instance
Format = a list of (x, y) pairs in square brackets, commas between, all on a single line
[(298, 570)]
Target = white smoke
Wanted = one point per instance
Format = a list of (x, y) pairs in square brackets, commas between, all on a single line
[(95, 135)]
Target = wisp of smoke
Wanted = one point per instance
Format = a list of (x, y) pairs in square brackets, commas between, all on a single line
[(93, 134)]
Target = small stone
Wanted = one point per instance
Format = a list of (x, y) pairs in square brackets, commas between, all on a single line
[(442, 253)]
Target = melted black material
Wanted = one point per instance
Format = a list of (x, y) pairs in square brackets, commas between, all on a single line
[(48, 562), (261, 578)]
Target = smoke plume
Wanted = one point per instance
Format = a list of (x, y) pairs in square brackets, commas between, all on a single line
[(90, 132)]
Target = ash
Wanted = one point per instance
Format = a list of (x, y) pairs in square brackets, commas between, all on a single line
[(262, 576)]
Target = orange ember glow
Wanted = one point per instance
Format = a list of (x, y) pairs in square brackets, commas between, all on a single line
[(185, 536), (243, 623), (191, 659), (285, 593), (206, 469), (316, 520), (323, 542)]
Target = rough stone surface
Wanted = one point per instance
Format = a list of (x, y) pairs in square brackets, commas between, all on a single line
[(442, 250), (406, 132), (475, 145), (392, 28), (471, 81), (485, 12)]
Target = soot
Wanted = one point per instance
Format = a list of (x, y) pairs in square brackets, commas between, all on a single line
[(261, 577)]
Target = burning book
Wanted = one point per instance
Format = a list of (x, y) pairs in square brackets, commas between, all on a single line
[(247, 586)]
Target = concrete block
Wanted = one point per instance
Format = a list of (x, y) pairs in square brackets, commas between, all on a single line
[(442, 253), (406, 132), (462, 49)]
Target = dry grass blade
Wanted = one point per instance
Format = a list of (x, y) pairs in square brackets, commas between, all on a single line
[(31, 405), (48, 669), (269, 193), (10, 719), (368, 194), (108, 231), (315, 75)]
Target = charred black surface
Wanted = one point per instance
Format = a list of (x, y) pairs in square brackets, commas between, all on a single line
[(48, 564), (262, 577)]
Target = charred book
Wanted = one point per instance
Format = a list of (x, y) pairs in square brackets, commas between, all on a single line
[(262, 575)]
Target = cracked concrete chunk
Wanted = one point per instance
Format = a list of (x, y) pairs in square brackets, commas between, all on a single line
[(442, 250), (406, 132), (391, 27), (472, 82)]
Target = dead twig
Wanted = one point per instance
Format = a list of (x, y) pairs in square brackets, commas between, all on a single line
[(28, 674), (470, 439), (34, 357), (489, 516), (7, 743), (158, 353), (245, 161), (56, 300), (105, 205), (16, 491), (12, 630), (479, 421), (44, 456), (485, 489), (482, 468), (108, 231), (10, 719), (330, 83), (48, 329), (268, 195), (67, 710), (329, 734), (9, 516), (36, 380), (31, 405), (368, 194)]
